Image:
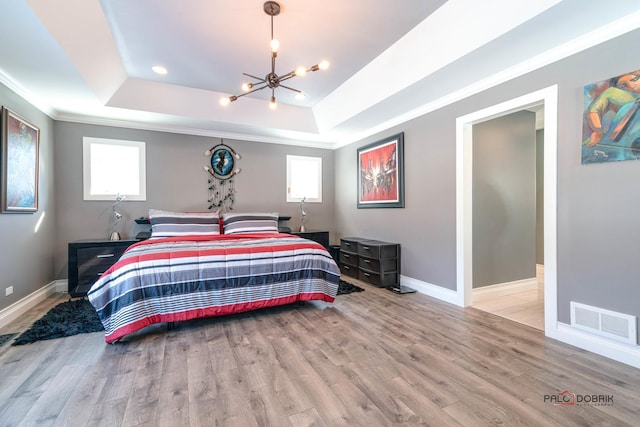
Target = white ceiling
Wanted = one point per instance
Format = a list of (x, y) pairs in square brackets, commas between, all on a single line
[(90, 61)]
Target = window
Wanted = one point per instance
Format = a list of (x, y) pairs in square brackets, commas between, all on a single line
[(111, 167), (304, 179)]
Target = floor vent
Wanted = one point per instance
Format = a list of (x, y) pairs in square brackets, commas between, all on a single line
[(617, 326)]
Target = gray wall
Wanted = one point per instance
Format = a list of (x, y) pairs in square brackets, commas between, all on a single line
[(426, 226), (177, 181), (27, 261), (504, 199), (598, 205)]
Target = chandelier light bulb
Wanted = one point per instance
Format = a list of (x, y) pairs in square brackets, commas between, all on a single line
[(300, 96), (324, 65), (247, 86), (225, 101), (273, 104), (275, 45), (300, 71)]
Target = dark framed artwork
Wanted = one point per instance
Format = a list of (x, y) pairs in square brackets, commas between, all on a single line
[(381, 173), (20, 146), (611, 120)]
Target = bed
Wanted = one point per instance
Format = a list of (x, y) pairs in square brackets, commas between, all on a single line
[(192, 275)]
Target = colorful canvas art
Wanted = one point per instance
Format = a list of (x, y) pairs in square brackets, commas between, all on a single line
[(611, 125), (20, 143)]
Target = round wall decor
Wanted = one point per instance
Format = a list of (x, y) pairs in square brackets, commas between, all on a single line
[(223, 168)]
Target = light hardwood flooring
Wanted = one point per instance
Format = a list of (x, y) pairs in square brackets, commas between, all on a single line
[(523, 307), (526, 307), (372, 358)]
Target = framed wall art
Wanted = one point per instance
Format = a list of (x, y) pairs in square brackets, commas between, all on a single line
[(611, 121), (20, 145), (381, 173)]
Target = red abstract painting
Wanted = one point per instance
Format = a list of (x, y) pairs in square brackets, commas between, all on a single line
[(379, 180)]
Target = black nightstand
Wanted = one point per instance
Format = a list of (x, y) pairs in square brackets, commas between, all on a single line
[(88, 259), (321, 237)]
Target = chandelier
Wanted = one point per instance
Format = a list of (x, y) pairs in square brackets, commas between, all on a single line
[(272, 80)]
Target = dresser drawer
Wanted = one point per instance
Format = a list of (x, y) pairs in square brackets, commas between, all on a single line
[(378, 265), (382, 280), (99, 254), (349, 270), (349, 258), (349, 245), (376, 249)]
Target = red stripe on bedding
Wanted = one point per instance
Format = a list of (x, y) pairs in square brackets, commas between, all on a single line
[(302, 244), (213, 312), (224, 251), (191, 238)]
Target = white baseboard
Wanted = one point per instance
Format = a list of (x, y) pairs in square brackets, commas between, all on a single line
[(624, 353), (62, 285), (434, 291), (18, 308), (508, 288)]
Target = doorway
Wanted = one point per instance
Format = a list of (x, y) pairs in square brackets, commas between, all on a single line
[(464, 202), (507, 212)]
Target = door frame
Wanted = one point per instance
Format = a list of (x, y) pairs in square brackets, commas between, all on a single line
[(464, 196)]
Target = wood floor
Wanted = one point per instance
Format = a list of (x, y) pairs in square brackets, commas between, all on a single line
[(526, 307), (372, 358)]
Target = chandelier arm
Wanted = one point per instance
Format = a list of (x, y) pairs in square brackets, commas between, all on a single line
[(290, 88), (288, 76), (254, 77), (251, 91)]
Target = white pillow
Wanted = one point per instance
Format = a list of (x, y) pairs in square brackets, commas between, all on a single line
[(235, 223), (173, 224)]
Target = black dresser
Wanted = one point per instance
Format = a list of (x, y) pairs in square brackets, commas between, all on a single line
[(89, 259), (321, 237), (371, 261)]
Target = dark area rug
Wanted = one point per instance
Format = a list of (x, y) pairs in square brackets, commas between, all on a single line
[(63, 320), (6, 337), (346, 288)]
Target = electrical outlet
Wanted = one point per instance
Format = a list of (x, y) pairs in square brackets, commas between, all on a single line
[(8, 291)]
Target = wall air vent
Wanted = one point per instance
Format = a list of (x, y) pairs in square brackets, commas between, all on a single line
[(617, 326)]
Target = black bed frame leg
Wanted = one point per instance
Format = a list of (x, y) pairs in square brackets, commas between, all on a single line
[(171, 326)]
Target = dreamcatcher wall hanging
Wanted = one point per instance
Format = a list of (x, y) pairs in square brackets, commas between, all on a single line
[(223, 167)]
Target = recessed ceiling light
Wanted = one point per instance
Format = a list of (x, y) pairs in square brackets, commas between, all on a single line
[(159, 69)]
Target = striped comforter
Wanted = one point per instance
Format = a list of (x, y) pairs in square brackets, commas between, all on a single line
[(182, 278)]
